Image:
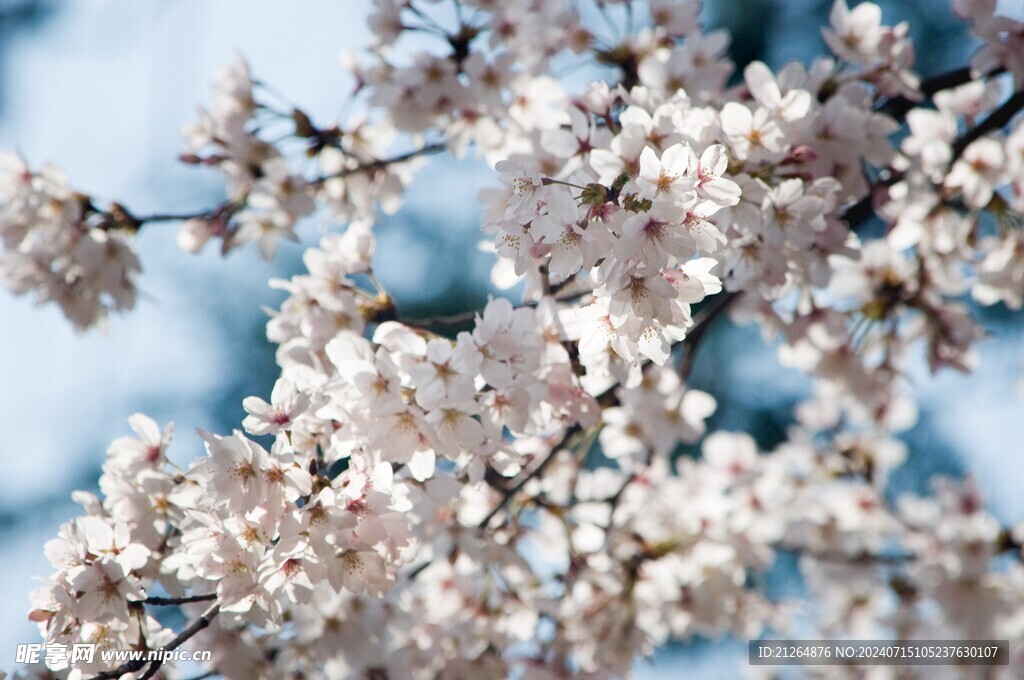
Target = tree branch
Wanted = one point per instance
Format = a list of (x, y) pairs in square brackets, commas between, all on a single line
[(859, 211), (174, 217), (121, 216), (899, 107), (700, 327), (517, 487), (692, 341), (132, 666), (166, 601), (383, 162), (449, 320), (853, 216), (997, 120), (511, 491), (864, 208)]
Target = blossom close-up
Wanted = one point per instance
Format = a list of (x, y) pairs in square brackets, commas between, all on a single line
[(445, 339)]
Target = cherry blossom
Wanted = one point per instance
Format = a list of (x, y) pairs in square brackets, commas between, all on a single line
[(537, 488)]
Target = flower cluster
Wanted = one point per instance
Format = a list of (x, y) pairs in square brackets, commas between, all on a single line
[(61, 247), (109, 559), (636, 241), (1003, 37), (536, 490)]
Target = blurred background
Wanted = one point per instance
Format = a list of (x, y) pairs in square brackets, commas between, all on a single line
[(101, 89)]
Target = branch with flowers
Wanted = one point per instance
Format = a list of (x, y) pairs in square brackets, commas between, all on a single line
[(502, 493)]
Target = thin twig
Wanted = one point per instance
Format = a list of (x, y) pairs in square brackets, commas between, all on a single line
[(212, 213), (383, 162), (517, 487), (418, 569), (173, 217), (508, 493), (702, 323), (152, 671), (138, 664), (166, 601), (448, 320), (694, 336), (864, 208)]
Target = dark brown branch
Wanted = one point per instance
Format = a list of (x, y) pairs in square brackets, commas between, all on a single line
[(861, 557), (859, 211), (418, 569), (700, 327), (173, 217), (517, 487), (167, 601), (692, 341), (448, 320), (997, 120), (151, 671), (384, 162), (510, 492), (132, 666), (864, 208), (120, 216), (899, 107)]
